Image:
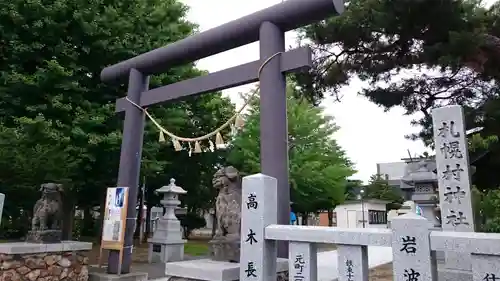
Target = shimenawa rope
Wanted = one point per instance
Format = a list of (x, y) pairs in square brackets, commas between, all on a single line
[(176, 140)]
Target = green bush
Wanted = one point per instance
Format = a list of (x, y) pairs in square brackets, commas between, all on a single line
[(487, 210)]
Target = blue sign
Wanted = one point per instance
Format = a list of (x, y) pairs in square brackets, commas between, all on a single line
[(119, 197)]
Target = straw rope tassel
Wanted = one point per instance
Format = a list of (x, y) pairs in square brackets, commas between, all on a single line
[(177, 145), (197, 147), (211, 146), (218, 139), (236, 122), (162, 137)]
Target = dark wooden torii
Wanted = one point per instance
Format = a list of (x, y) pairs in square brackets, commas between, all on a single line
[(267, 26)]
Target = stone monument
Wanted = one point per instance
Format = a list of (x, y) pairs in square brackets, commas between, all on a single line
[(453, 174), (225, 245), (44, 256), (47, 215), (167, 244)]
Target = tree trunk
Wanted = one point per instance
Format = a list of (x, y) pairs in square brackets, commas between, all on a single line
[(330, 217), (87, 222), (139, 218), (68, 219), (148, 222), (305, 217), (68, 207), (102, 212)]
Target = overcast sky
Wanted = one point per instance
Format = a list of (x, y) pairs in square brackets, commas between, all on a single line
[(368, 134)]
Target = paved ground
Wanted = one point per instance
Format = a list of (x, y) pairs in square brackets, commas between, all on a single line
[(379, 259), (154, 270)]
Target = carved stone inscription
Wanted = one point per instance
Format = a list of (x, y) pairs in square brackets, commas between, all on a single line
[(258, 210), (410, 248), (452, 168), (452, 162)]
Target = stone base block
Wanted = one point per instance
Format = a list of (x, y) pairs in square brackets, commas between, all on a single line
[(454, 275), (132, 276), (42, 262), (210, 270), (224, 250), (164, 252), (44, 236)]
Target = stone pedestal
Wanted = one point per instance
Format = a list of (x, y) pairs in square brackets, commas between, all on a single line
[(66, 261), (165, 251), (225, 250), (167, 244), (210, 270), (44, 236)]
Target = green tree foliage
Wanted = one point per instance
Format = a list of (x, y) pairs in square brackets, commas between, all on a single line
[(318, 166), (487, 210), (418, 55), (352, 189), (57, 120), (378, 188)]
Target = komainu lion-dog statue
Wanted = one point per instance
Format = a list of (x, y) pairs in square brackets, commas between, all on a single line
[(47, 215), (226, 242)]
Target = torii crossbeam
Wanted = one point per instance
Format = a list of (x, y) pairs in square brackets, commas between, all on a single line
[(268, 26)]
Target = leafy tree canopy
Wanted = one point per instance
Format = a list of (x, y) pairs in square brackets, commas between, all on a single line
[(418, 55), (318, 166), (378, 188), (57, 120)]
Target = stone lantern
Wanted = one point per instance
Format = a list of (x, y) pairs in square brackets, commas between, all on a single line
[(167, 244), (419, 184)]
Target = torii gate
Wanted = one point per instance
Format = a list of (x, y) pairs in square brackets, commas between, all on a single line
[(269, 27)]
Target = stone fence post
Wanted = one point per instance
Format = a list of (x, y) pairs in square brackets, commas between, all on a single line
[(302, 265), (258, 210), (353, 262), (483, 249), (411, 249)]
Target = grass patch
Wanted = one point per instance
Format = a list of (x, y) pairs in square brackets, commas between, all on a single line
[(196, 248)]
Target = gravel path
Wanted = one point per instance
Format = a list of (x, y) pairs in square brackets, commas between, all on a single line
[(154, 270)]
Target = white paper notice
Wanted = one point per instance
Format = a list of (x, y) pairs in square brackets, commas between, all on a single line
[(112, 230), (114, 215)]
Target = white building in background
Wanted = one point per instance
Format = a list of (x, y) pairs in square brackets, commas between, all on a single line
[(392, 171), (350, 214)]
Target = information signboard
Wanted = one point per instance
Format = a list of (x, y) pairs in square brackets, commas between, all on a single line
[(115, 217)]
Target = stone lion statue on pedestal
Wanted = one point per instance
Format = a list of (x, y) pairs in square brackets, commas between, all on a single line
[(47, 215), (226, 242)]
